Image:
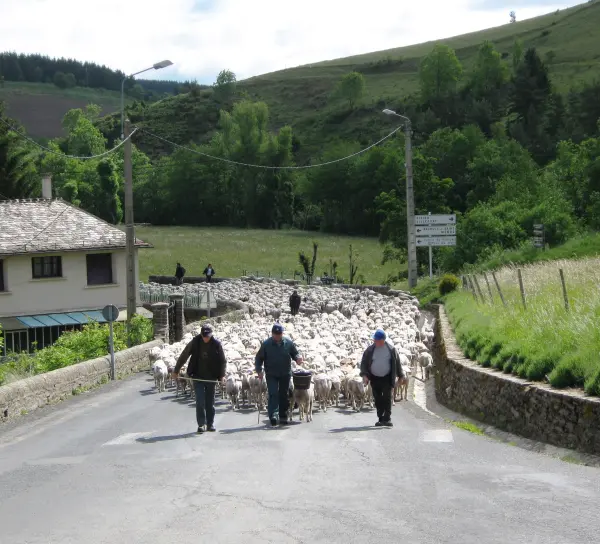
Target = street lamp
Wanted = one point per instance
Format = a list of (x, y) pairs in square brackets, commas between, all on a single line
[(157, 66), (410, 203)]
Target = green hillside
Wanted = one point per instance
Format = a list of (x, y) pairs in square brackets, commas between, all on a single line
[(567, 40), (40, 107)]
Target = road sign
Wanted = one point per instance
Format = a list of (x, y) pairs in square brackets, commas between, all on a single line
[(424, 241), (440, 219), (110, 313), (438, 230)]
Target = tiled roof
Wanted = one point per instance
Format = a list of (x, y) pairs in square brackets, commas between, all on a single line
[(45, 226)]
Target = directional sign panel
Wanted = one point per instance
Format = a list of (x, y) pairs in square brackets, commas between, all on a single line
[(441, 219), (438, 230), (424, 241)]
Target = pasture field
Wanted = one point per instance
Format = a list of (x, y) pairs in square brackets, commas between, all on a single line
[(231, 251), (542, 340)]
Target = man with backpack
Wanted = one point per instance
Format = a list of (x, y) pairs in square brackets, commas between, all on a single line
[(277, 353), (295, 301), (179, 273), (207, 365)]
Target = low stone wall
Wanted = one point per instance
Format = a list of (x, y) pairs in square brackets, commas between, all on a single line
[(172, 280), (563, 418), (31, 393)]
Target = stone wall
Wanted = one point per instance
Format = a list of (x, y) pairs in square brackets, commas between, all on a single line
[(29, 394), (563, 418)]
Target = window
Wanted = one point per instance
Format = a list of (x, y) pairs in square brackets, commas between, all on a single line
[(1, 275), (99, 269), (47, 267)]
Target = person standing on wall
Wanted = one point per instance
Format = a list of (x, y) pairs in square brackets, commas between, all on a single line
[(207, 362), (209, 272), (277, 353), (381, 366), (179, 273)]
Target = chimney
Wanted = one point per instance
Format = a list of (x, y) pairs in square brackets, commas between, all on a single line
[(47, 186)]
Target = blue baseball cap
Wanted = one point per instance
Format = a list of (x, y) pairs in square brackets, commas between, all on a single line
[(277, 329), (379, 335)]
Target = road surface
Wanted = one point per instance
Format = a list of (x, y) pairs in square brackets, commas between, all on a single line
[(123, 464)]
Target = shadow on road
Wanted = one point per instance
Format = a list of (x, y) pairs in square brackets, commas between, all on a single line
[(154, 439), (355, 429), (258, 427)]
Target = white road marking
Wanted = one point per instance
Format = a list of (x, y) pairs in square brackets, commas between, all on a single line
[(437, 435), (127, 438)]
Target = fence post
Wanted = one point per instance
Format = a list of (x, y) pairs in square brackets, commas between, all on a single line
[(179, 324), (498, 287), (479, 289), (564, 288), (160, 317), (472, 288), (488, 286), (522, 288)]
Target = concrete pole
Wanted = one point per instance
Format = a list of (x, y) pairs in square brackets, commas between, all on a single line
[(130, 233), (410, 209)]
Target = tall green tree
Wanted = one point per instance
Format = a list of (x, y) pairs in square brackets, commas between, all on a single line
[(439, 73), (225, 86), (351, 88)]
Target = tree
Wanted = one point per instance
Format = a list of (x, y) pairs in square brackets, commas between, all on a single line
[(513, 17), (108, 204), (439, 73), (351, 88), (490, 73), (225, 86)]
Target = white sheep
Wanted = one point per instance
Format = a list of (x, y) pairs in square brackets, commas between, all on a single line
[(159, 369), (425, 363)]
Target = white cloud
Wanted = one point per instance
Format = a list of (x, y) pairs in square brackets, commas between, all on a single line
[(250, 37)]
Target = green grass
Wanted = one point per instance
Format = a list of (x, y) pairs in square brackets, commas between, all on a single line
[(470, 427), (231, 251), (544, 340)]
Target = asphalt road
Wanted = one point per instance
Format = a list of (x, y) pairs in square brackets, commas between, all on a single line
[(123, 465)]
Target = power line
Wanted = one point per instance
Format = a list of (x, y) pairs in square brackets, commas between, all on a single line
[(272, 167), (47, 150)]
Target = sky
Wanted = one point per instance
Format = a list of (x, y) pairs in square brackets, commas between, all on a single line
[(248, 37)]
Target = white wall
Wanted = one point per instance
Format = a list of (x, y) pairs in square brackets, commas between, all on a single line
[(26, 296)]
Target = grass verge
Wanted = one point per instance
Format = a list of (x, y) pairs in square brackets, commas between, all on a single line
[(466, 426), (544, 340)]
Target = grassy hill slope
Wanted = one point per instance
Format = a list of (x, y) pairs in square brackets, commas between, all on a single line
[(567, 40), (41, 107)]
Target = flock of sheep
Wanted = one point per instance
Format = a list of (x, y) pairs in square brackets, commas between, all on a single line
[(332, 331)]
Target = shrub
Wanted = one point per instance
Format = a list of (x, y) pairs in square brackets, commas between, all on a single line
[(448, 283)]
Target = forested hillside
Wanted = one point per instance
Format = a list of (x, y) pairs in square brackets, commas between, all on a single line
[(496, 140)]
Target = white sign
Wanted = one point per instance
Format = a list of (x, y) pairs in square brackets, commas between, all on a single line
[(439, 230), (442, 219), (424, 241)]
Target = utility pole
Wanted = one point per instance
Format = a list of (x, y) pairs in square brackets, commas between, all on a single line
[(410, 208), (130, 233)]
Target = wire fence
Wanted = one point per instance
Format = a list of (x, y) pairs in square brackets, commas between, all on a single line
[(197, 299)]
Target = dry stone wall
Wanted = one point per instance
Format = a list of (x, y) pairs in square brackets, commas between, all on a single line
[(563, 418), (29, 394)]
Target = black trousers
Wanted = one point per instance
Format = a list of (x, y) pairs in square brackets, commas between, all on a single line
[(294, 309), (382, 392)]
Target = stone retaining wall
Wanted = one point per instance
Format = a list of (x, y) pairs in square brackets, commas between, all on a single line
[(563, 418), (29, 394)]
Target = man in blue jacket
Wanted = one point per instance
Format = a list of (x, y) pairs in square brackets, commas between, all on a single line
[(277, 353)]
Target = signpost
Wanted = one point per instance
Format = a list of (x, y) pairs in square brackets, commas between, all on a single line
[(435, 231), (111, 313)]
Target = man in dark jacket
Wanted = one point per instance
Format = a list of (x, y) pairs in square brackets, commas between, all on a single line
[(295, 301), (277, 353), (381, 366), (179, 273), (209, 272), (207, 362)]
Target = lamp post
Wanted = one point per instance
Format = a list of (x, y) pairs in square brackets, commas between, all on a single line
[(410, 202), (129, 229), (157, 66)]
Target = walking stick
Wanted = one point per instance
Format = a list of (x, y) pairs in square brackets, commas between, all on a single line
[(258, 404)]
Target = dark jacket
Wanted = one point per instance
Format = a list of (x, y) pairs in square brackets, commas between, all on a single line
[(206, 271), (179, 272), (207, 360), (295, 301), (367, 361), (276, 357)]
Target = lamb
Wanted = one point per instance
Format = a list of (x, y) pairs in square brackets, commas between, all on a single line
[(233, 387), (425, 362), (402, 385), (322, 387), (159, 369), (305, 398)]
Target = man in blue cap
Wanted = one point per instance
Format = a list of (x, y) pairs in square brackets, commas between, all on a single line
[(381, 366), (277, 353)]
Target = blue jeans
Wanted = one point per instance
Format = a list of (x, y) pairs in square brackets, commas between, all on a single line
[(205, 403), (278, 404)]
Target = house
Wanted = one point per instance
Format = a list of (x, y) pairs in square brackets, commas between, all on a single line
[(59, 266)]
